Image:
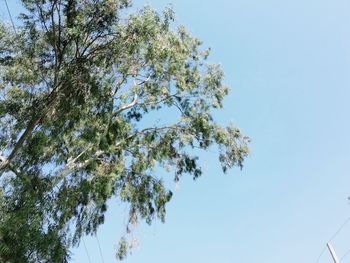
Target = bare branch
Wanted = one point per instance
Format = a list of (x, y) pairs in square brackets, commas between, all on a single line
[(128, 106)]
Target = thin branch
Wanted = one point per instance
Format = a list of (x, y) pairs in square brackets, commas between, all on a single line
[(128, 106), (159, 101), (111, 115), (73, 167), (146, 130)]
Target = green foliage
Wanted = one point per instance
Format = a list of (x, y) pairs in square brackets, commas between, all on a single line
[(76, 82)]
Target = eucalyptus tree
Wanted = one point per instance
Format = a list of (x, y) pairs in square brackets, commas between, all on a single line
[(99, 102)]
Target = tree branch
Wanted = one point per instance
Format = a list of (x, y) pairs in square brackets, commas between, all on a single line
[(128, 106), (72, 166), (51, 98), (19, 143)]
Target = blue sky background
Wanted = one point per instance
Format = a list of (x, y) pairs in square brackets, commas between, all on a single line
[(288, 63)]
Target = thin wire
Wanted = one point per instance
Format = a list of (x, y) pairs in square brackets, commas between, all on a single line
[(319, 257), (340, 228), (87, 252), (99, 248), (346, 253), (9, 12), (332, 237)]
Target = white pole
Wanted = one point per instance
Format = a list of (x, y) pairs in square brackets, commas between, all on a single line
[(332, 251)]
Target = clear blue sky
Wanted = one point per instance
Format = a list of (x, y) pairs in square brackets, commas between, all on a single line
[(288, 63)]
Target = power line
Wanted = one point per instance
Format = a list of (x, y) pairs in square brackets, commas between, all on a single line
[(346, 253), (9, 12), (99, 248), (87, 253), (319, 257), (340, 228), (332, 237)]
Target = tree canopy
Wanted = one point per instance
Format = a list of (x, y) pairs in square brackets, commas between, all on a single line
[(94, 103)]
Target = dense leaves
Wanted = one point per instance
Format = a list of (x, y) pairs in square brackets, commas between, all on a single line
[(94, 103)]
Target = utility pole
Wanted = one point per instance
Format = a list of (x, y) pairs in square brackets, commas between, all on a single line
[(332, 251)]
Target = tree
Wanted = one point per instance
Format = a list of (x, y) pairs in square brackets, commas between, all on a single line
[(81, 84)]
